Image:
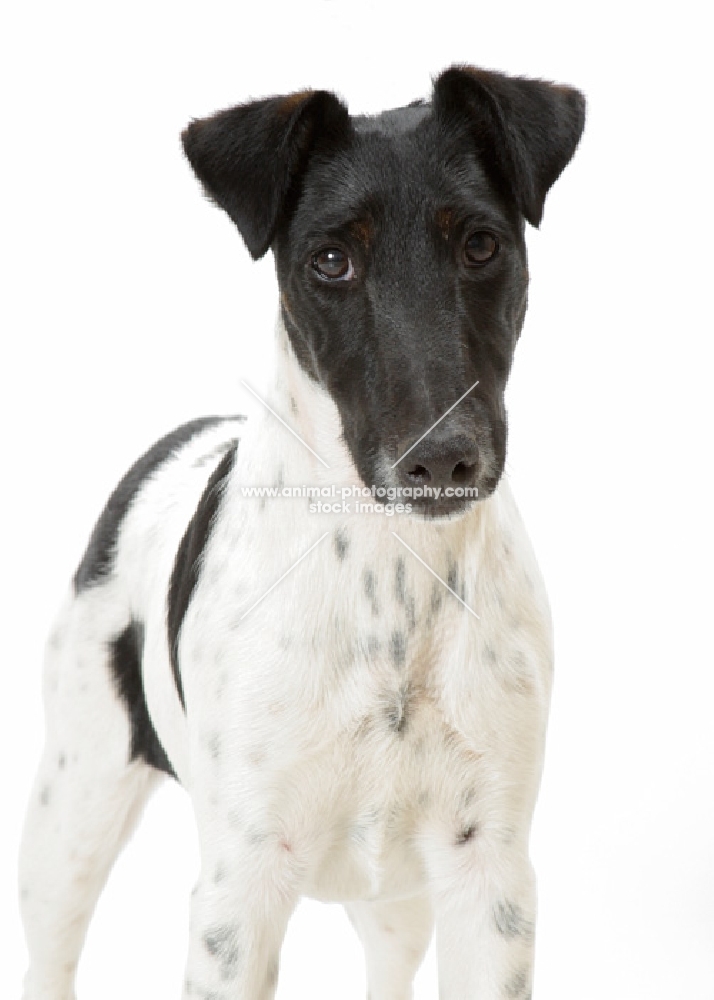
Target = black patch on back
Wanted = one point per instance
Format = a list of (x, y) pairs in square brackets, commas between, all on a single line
[(187, 565), (126, 652), (98, 560)]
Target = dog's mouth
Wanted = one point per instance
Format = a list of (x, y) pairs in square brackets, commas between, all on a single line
[(442, 508)]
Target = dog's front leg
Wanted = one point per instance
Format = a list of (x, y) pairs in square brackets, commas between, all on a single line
[(485, 920), (239, 912)]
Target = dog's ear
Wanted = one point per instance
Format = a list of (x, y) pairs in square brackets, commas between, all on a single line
[(526, 131), (249, 158)]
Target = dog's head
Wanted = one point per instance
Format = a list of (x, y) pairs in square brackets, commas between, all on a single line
[(400, 253)]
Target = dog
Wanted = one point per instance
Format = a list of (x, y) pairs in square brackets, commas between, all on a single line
[(353, 692)]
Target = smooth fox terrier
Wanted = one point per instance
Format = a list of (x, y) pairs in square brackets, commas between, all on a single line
[(355, 703)]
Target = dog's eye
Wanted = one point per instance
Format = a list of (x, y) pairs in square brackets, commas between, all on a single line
[(333, 264), (481, 247)]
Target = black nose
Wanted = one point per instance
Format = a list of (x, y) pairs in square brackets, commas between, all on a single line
[(439, 461)]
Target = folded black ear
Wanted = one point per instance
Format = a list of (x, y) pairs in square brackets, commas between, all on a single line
[(526, 131), (248, 158)]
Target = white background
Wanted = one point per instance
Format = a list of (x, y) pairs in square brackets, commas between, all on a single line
[(130, 305)]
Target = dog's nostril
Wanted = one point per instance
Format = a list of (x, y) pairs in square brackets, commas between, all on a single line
[(463, 473), (440, 462), (419, 474)]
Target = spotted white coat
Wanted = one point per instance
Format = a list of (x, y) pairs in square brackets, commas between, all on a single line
[(358, 736)]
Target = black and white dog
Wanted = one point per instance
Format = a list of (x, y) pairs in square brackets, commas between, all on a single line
[(355, 703)]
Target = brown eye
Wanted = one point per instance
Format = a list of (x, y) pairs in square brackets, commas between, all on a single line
[(333, 264), (481, 247)]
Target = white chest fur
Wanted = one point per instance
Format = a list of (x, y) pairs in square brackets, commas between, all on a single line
[(357, 709)]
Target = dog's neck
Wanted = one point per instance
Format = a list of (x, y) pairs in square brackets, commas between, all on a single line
[(309, 410)]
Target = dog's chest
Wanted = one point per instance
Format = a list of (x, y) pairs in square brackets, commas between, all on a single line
[(359, 702), (368, 752)]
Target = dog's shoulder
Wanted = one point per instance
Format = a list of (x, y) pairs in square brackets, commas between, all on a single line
[(99, 557)]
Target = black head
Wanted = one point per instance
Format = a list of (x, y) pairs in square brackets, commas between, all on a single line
[(400, 253)]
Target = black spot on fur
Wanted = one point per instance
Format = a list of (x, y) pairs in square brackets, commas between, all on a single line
[(187, 565), (400, 580), (467, 834), (510, 920), (410, 612), (397, 713), (403, 597), (398, 648), (222, 944), (45, 795), (342, 543), (467, 797), (62, 762), (515, 989), (126, 652), (370, 589), (98, 560)]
